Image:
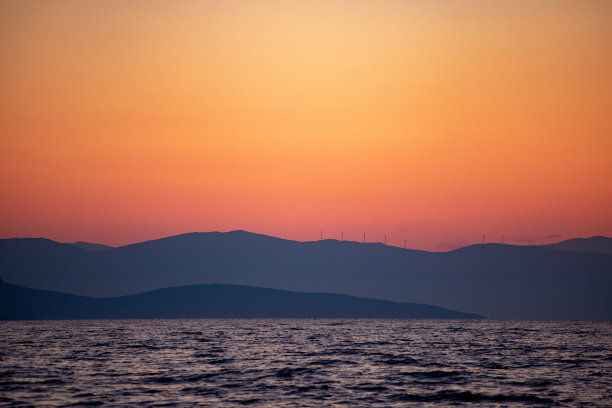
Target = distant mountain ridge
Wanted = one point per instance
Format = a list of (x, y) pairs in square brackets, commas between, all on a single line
[(498, 281), (209, 301), (596, 245), (90, 246)]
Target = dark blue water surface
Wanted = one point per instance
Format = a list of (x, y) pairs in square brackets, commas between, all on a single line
[(305, 363)]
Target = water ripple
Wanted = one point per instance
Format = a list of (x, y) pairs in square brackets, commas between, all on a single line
[(305, 363)]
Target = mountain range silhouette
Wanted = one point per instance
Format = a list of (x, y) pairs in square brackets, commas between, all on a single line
[(494, 280)]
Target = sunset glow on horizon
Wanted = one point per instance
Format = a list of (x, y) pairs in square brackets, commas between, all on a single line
[(432, 122)]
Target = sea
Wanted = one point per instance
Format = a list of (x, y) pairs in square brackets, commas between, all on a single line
[(305, 363)]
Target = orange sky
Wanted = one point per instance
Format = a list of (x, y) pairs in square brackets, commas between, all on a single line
[(430, 121)]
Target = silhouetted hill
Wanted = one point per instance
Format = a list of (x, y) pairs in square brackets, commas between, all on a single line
[(210, 301), (497, 281), (597, 245), (90, 246)]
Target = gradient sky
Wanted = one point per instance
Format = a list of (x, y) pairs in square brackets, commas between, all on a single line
[(429, 121)]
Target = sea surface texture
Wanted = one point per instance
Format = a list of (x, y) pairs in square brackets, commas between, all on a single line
[(308, 363)]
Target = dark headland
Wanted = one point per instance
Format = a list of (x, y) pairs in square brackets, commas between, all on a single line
[(209, 301)]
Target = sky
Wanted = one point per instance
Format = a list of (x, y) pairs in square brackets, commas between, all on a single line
[(430, 122)]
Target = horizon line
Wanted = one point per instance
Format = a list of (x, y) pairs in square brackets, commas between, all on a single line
[(476, 243)]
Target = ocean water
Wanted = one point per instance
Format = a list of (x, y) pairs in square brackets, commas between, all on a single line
[(307, 363)]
